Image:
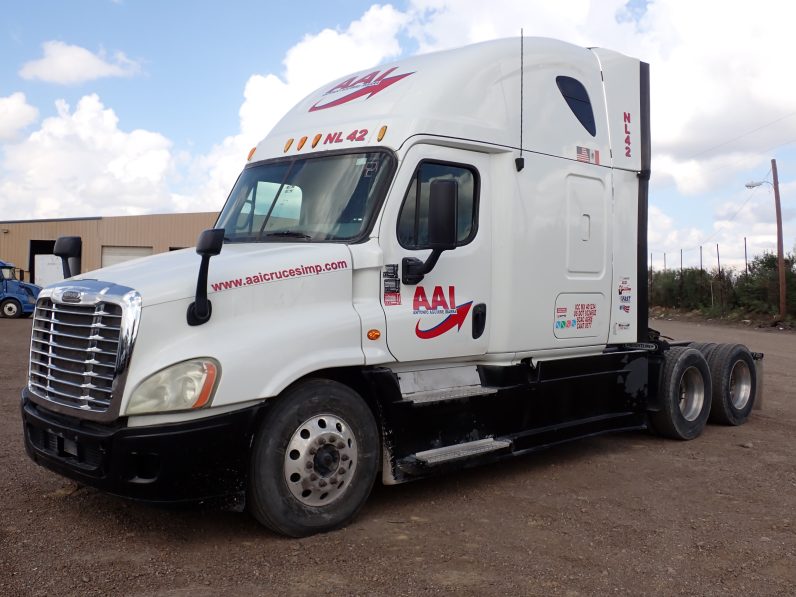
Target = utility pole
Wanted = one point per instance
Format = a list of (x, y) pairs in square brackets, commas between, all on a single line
[(701, 269), (745, 258), (664, 262), (780, 252), (718, 259), (681, 262)]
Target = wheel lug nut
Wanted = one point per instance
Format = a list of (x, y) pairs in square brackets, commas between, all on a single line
[(340, 445), (313, 477), (344, 457), (322, 483), (333, 480), (309, 465), (313, 450), (341, 471), (321, 441)]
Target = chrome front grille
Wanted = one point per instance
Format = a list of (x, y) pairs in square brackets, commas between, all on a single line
[(74, 353)]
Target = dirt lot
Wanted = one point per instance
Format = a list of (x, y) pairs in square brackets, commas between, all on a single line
[(622, 514)]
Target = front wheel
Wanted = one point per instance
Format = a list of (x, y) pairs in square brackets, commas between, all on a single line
[(314, 461), (11, 309)]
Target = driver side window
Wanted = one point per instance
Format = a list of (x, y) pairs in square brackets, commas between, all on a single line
[(413, 219)]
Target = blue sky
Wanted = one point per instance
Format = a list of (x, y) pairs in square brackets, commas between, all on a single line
[(195, 57), (137, 106)]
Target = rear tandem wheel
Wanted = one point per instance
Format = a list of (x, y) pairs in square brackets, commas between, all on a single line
[(684, 391)]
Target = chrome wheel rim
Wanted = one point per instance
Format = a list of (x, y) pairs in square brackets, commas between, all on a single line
[(692, 394), (320, 460), (740, 384), (9, 309)]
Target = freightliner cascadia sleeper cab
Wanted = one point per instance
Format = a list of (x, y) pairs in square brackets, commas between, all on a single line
[(434, 263)]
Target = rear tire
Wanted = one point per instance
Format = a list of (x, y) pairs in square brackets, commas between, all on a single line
[(734, 377), (314, 459), (684, 392), (704, 347)]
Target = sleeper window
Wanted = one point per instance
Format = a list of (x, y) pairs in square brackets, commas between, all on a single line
[(578, 101)]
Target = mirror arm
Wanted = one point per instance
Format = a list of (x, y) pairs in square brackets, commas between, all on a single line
[(413, 270), (209, 244), (200, 310)]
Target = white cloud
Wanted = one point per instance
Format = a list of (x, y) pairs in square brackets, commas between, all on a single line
[(315, 60), (721, 101), (15, 115), (69, 65), (80, 163)]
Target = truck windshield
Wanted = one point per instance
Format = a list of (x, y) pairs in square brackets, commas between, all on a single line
[(7, 273), (312, 199)]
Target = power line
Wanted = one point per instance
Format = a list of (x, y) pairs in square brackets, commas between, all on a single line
[(732, 219), (742, 135)]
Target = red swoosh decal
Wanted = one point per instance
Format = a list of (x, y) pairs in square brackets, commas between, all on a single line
[(450, 322), (369, 90)]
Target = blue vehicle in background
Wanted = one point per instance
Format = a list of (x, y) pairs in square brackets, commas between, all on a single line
[(17, 298)]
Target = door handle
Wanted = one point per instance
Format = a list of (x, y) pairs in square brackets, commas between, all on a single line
[(479, 320)]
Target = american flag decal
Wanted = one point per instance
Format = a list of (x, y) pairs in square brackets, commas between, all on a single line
[(590, 156)]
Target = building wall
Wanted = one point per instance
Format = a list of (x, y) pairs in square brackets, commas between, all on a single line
[(159, 231)]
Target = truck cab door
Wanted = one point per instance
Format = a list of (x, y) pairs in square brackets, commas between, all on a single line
[(446, 314)]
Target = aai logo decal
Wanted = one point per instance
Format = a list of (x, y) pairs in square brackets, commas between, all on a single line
[(350, 89), (440, 304)]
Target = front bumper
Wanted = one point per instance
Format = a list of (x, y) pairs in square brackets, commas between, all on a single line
[(189, 461)]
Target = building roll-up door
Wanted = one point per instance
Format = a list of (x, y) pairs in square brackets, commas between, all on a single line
[(113, 255)]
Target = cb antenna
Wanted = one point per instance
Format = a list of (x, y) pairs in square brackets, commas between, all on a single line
[(520, 161)]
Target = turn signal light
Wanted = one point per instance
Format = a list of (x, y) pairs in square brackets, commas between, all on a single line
[(288, 144), (251, 153), (315, 140), (382, 132), (374, 334), (301, 143)]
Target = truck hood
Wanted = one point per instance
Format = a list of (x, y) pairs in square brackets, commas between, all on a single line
[(32, 287), (172, 276)]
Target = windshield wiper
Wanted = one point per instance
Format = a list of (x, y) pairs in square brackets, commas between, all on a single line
[(290, 234)]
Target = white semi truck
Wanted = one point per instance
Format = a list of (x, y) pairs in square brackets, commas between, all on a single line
[(431, 264)]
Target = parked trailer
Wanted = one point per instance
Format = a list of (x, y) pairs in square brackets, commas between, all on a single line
[(433, 264)]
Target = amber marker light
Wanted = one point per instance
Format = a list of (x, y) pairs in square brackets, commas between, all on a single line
[(382, 132), (207, 388), (301, 143), (374, 334), (315, 140), (251, 153), (288, 144)]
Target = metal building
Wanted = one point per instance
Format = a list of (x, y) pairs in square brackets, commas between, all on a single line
[(29, 244)]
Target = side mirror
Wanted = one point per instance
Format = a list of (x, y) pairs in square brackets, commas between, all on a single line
[(69, 249), (443, 219), (208, 244)]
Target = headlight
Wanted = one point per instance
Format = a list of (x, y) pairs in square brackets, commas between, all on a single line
[(184, 386)]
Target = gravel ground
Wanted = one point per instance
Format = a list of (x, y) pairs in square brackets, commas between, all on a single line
[(620, 514)]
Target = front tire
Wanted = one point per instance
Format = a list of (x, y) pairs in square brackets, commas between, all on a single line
[(315, 459), (684, 392), (11, 309)]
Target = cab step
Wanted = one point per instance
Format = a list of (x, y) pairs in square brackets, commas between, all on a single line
[(450, 454), (432, 396), (441, 384)]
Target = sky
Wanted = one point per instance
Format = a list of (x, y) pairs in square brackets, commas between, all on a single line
[(124, 107)]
